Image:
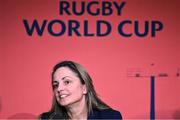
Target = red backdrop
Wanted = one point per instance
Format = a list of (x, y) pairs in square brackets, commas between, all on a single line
[(26, 62)]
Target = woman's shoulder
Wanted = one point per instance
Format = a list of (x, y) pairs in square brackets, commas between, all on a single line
[(44, 115), (50, 115), (105, 114)]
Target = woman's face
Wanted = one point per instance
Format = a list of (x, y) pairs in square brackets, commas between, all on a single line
[(67, 87)]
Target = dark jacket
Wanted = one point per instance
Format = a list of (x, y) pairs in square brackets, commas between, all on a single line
[(95, 114), (105, 114)]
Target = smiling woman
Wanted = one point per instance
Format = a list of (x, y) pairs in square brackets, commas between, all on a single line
[(75, 96)]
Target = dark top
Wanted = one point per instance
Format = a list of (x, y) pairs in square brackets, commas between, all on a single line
[(105, 114), (96, 114)]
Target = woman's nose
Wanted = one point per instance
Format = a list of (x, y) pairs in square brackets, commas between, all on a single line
[(60, 87)]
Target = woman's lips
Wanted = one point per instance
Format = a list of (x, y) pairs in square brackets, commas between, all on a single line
[(63, 96)]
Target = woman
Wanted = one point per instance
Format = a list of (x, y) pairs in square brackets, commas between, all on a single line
[(75, 96)]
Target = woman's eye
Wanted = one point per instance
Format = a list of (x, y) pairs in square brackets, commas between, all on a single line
[(55, 86), (67, 82)]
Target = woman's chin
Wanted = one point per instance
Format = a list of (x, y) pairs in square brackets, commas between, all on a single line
[(64, 103)]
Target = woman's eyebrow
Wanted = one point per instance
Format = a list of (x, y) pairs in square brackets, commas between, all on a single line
[(66, 77), (55, 81)]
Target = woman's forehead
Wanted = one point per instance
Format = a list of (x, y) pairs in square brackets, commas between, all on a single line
[(63, 72)]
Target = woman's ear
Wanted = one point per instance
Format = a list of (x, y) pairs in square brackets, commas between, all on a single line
[(84, 89)]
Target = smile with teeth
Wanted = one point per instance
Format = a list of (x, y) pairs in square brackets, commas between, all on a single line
[(63, 96)]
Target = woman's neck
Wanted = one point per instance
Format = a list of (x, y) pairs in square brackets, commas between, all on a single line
[(78, 110)]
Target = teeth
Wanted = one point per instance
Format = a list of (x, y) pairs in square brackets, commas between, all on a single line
[(63, 96)]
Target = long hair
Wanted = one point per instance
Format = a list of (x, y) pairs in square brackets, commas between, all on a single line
[(92, 100)]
